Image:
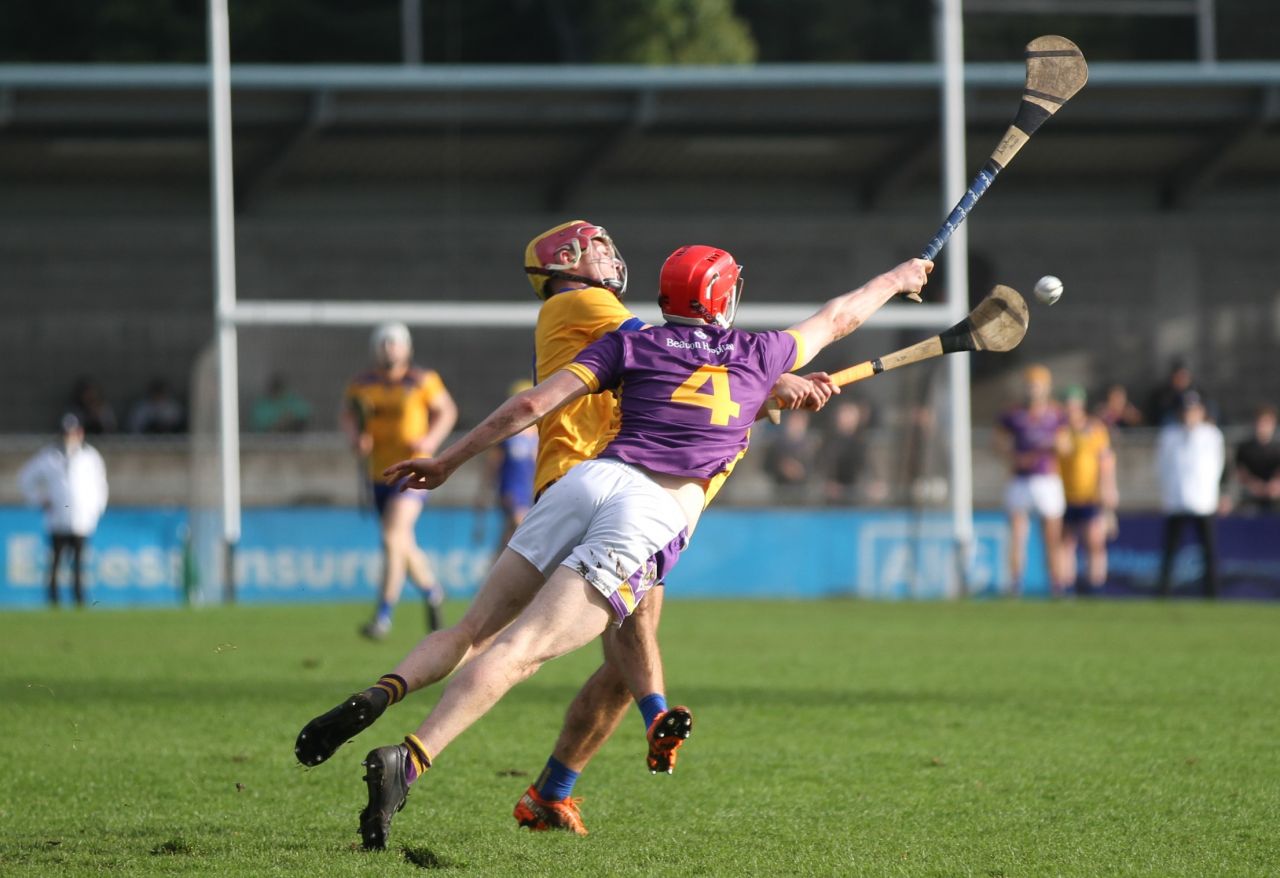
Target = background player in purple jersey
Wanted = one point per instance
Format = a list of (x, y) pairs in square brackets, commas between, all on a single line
[(604, 533), (1027, 436)]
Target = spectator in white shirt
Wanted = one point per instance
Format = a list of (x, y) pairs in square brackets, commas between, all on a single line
[(1190, 455), (68, 480)]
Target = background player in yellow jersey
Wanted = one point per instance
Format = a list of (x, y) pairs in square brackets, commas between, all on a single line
[(1087, 465), (389, 411)]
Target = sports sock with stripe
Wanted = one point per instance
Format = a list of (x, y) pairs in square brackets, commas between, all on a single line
[(389, 689), (419, 759)]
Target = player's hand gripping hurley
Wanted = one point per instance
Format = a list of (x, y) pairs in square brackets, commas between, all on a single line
[(1056, 70)]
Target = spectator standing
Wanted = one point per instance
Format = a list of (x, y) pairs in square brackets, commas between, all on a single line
[(158, 412), (1088, 472), (1026, 436), (91, 408), (280, 410), (844, 454), (1117, 411), (1258, 465), (790, 458), (68, 480), (1190, 455), (1165, 405)]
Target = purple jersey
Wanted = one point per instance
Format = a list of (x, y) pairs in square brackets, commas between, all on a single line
[(1034, 434), (688, 394)]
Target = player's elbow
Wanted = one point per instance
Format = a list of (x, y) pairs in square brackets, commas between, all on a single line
[(529, 406)]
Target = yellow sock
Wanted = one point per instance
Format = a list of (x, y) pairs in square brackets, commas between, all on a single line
[(418, 756)]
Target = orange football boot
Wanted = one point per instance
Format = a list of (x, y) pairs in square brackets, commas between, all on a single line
[(666, 734), (540, 815)]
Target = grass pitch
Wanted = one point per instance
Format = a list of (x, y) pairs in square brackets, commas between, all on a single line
[(831, 738)]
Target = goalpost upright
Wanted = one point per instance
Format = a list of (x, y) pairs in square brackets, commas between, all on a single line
[(224, 277), (950, 42)]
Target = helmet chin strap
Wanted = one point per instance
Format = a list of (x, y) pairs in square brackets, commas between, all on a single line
[(612, 284)]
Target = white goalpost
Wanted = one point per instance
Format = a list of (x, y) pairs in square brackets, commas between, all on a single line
[(219, 529)]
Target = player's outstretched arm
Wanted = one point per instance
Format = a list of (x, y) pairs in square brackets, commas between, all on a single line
[(843, 314), (505, 421)]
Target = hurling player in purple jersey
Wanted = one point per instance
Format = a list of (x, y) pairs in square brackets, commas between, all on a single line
[(601, 536), (1027, 436)]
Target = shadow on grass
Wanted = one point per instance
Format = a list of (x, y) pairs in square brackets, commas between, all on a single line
[(425, 858)]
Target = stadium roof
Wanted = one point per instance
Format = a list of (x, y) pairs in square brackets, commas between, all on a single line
[(1176, 131)]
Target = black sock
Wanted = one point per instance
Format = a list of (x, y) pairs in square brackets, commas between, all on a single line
[(435, 619)]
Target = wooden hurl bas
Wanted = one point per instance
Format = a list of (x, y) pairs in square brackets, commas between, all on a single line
[(1056, 70), (999, 323)]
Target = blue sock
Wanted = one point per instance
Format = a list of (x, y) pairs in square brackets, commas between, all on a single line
[(651, 707), (384, 612), (556, 781)]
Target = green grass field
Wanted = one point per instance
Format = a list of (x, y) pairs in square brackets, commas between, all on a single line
[(831, 738)]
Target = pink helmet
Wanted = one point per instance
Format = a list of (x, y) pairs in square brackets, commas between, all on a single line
[(541, 264)]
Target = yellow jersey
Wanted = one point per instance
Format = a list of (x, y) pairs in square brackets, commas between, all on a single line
[(393, 413), (1080, 462), (567, 323)]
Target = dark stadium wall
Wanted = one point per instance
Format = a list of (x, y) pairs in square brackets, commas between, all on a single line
[(127, 298)]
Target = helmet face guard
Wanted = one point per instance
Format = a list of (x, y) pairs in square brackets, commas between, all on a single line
[(700, 285), (542, 262)]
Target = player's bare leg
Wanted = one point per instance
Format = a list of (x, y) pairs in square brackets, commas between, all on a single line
[(566, 614), (1068, 544), (418, 565), (1019, 525), (593, 716), (598, 708), (510, 586), (1052, 529), (397, 523), (1095, 546), (1068, 566)]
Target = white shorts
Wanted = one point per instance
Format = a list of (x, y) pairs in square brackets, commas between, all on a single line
[(1039, 494), (610, 523)]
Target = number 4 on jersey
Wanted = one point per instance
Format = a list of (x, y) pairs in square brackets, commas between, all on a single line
[(719, 400)]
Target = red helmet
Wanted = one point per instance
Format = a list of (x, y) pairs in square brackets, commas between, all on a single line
[(700, 284), (541, 264)]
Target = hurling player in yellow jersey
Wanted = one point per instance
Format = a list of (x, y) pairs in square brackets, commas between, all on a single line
[(389, 410), (1088, 472)]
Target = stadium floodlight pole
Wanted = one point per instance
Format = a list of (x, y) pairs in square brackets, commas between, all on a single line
[(950, 42), (224, 278)]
